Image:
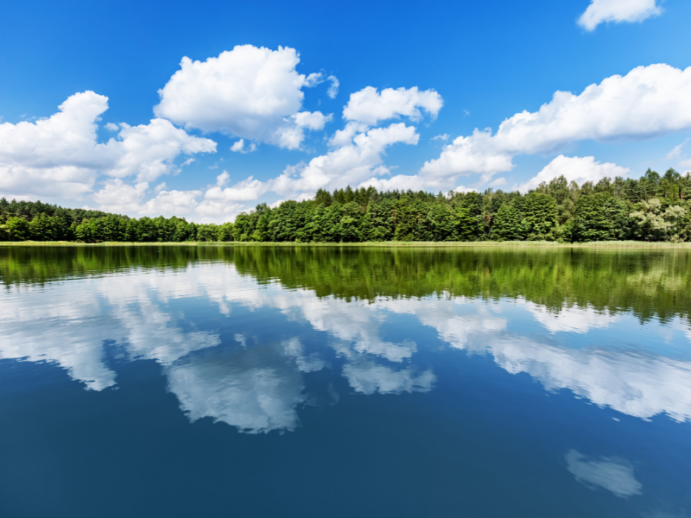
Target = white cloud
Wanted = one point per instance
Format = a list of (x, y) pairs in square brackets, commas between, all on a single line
[(253, 93), (647, 102), (171, 203), (615, 475), (358, 158), (311, 120), (209, 211), (239, 147), (247, 190), (148, 151), (477, 153), (498, 182), (61, 157), (222, 179), (368, 106), (677, 151), (112, 127), (444, 137), (119, 197), (314, 79), (332, 92), (575, 169), (215, 205), (357, 151), (600, 11)]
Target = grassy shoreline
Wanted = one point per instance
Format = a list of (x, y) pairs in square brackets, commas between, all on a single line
[(384, 244)]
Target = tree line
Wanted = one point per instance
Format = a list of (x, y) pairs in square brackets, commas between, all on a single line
[(652, 208)]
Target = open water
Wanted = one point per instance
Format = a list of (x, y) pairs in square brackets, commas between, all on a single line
[(327, 382)]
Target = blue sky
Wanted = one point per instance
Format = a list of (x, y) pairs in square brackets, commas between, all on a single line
[(407, 72)]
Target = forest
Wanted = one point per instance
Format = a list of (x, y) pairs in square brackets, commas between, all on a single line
[(652, 208)]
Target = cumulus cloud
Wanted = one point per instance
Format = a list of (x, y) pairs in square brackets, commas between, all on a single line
[(647, 102), (369, 106), (61, 157), (601, 11), (615, 475), (357, 159), (250, 92), (148, 151), (575, 169), (247, 190), (215, 205), (356, 155), (222, 179), (171, 203), (120, 197), (477, 153)]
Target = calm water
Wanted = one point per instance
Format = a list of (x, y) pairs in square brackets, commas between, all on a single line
[(258, 382)]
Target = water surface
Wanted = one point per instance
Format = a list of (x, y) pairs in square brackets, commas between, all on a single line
[(311, 382)]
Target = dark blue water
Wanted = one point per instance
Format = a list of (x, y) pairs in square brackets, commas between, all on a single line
[(205, 390)]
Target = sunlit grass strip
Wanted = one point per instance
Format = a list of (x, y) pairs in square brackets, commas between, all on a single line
[(393, 244)]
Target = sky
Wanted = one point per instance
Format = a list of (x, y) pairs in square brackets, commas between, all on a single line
[(204, 109)]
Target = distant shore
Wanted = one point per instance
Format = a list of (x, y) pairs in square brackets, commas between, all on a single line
[(385, 244)]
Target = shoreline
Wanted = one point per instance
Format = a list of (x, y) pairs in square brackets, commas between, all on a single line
[(383, 244)]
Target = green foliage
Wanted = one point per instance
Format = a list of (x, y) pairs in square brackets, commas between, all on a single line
[(539, 216), (466, 227), (600, 217), (18, 229), (651, 222), (508, 224)]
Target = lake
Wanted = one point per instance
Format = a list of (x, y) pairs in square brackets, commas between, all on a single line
[(344, 382)]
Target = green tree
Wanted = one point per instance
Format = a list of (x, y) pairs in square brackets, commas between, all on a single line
[(17, 229), (540, 216), (508, 224), (600, 217), (466, 227)]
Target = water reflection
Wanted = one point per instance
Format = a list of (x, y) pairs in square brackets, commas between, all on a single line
[(615, 475), (250, 373), (254, 389)]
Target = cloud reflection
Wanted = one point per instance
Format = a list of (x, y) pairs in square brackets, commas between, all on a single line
[(368, 377), (254, 389), (615, 475), (258, 387)]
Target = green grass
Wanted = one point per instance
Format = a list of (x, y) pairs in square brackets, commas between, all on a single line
[(388, 244)]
